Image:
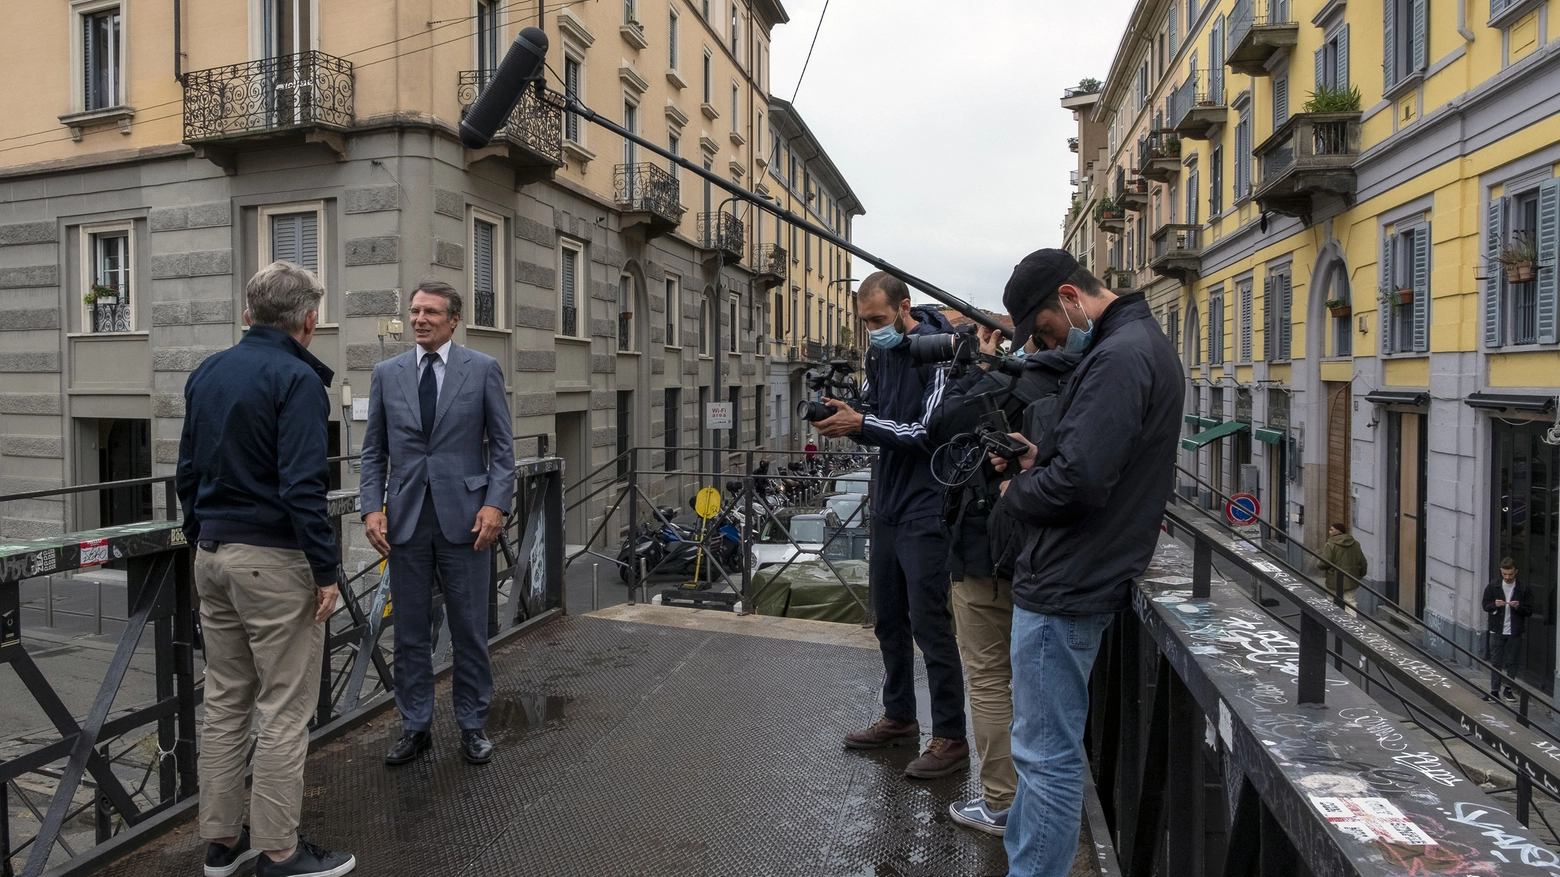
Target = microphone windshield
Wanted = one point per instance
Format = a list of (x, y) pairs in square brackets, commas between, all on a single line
[(521, 64)]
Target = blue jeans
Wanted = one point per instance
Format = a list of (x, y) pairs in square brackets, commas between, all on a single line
[(1052, 658)]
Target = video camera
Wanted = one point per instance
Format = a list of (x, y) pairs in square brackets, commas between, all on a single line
[(962, 348), (835, 380)]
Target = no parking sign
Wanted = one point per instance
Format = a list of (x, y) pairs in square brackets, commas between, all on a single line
[(1242, 509)]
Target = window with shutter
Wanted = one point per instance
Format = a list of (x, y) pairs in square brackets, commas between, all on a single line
[(1421, 278), (1174, 31), (1269, 319), (1191, 195), (1280, 101), (1389, 35), (1246, 307), (572, 72), (1419, 57), (295, 238), (568, 291), (1285, 314), (100, 53), (1548, 240), (673, 309), (1216, 61), (1341, 53), (483, 304), (625, 315), (1215, 182)]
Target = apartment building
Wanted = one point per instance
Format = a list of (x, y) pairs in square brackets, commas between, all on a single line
[(813, 306), (156, 155), (1348, 219), (1079, 231)]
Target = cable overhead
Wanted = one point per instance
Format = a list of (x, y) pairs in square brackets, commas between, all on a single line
[(810, 48)]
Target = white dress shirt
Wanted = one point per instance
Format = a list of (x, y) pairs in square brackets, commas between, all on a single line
[(438, 366), (1510, 588)]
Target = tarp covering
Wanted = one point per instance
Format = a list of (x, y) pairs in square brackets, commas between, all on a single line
[(811, 590)]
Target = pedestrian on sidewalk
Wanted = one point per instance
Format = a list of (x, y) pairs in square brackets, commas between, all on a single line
[(1342, 554), (1509, 603), (252, 479)]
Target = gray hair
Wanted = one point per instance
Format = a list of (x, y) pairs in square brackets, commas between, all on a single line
[(281, 295), (451, 298)]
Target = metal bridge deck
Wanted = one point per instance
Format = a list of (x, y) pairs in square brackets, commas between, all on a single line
[(634, 748)]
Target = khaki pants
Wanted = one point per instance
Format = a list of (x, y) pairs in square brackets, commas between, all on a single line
[(263, 673), (983, 613)]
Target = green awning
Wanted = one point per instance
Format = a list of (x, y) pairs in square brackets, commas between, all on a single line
[(1193, 419), (1229, 427), (1269, 436)]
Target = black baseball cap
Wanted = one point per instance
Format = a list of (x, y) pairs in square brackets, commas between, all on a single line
[(1034, 281)]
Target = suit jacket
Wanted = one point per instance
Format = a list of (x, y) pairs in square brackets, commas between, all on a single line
[(400, 466), (1496, 590)]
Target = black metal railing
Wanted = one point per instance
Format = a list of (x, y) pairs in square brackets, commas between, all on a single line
[(1310, 141), (644, 187), (482, 309), (309, 89), (535, 123), (770, 261), (1193, 94), (110, 316), (1173, 239), (129, 779), (1079, 90), (721, 231), (1247, 14)]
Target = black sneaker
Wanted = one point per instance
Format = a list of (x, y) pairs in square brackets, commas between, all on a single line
[(308, 860), (224, 861)]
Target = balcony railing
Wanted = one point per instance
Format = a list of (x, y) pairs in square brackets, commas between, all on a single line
[(1311, 154), (110, 316), (1079, 91), (770, 263), (1259, 29), (649, 190), (1177, 251), (1194, 108), (1159, 158), (721, 233), (1130, 191), (816, 351), (289, 92), (534, 127), (482, 307)]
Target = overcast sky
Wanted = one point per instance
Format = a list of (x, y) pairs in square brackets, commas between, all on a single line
[(945, 119)]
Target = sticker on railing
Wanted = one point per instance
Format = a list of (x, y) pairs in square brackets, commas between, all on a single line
[(1371, 819), (94, 552)]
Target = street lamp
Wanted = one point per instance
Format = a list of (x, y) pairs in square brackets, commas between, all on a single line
[(346, 422)]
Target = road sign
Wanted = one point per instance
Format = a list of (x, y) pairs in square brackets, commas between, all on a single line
[(1242, 509), (717, 415), (707, 504)]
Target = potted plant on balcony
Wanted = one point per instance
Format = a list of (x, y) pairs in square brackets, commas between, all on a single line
[(1328, 99), (1171, 148), (1519, 258), (1338, 307), (1106, 209), (1393, 297), (100, 294)]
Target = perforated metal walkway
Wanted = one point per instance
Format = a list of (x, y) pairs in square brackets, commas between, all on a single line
[(690, 744)]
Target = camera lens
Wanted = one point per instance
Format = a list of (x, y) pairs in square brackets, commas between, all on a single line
[(813, 411)]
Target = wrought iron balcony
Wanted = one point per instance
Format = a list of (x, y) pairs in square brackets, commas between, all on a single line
[(1159, 158), (482, 308), (1130, 191), (1311, 156), (110, 316), (1197, 105), (531, 140), (721, 233), (263, 99), (649, 196), (816, 351), (770, 264), (1177, 251), (1259, 29)]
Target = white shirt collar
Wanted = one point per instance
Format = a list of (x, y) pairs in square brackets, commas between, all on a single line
[(443, 352)]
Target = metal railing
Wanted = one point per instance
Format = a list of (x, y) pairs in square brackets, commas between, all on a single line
[(1173, 239), (1309, 142), (1193, 94), (1079, 90), (110, 755), (308, 89), (647, 188), (770, 260), (536, 122), (110, 316), (1247, 14), (721, 231)]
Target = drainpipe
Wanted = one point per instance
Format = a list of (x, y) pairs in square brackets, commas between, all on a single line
[(178, 43), (541, 14), (1462, 21)]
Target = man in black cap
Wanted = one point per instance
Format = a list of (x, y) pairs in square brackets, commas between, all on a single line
[(1095, 490)]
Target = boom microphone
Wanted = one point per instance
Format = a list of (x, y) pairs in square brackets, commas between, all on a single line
[(521, 65)]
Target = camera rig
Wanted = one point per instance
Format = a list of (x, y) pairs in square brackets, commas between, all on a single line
[(835, 379)]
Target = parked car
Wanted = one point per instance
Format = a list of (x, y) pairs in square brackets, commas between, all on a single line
[(809, 529), (847, 496)]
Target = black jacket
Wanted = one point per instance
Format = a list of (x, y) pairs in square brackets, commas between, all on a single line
[(252, 455), (1098, 490), (1521, 593), (1046, 374), (901, 394)]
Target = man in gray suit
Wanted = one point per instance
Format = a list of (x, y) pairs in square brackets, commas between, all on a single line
[(429, 411)]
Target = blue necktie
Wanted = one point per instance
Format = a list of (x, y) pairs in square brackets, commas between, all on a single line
[(428, 393)]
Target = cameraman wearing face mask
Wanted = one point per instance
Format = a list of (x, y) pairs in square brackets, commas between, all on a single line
[(909, 561), (1094, 491)]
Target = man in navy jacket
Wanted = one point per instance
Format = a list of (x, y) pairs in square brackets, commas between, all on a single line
[(909, 563)]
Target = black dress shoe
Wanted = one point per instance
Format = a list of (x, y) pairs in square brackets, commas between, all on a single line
[(475, 746), (412, 744)]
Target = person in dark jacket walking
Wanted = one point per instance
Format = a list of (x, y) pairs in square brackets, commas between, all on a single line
[(1342, 554), (908, 570), (252, 479), (1095, 489), (1509, 603)]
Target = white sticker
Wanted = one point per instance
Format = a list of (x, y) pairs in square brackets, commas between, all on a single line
[(1170, 580), (94, 552), (1188, 608), (1225, 728), (1371, 819)]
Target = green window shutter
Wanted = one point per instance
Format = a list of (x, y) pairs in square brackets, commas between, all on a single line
[(1422, 289), (1341, 78), (1495, 236), (1548, 256), (1285, 320), (1389, 27), (1421, 35), (1384, 320)]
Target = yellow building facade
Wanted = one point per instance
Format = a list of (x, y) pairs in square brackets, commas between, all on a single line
[(1347, 219)]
